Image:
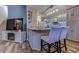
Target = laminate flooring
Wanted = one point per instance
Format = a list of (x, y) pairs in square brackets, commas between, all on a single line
[(12, 47)]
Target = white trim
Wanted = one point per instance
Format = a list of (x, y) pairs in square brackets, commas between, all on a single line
[(36, 49)]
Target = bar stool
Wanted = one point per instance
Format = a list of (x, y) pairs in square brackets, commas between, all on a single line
[(63, 37), (51, 40)]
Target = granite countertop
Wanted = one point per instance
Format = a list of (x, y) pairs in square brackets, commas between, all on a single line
[(46, 28), (39, 28)]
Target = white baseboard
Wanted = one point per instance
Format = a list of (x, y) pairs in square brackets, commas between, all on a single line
[(36, 49)]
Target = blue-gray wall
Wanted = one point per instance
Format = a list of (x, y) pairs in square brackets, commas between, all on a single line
[(17, 11)]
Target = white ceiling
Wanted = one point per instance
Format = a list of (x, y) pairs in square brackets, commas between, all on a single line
[(37, 7), (42, 8)]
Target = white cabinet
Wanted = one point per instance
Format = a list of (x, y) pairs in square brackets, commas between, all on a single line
[(19, 36)]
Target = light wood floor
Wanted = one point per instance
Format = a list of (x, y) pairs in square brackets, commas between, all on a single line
[(11, 47), (73, 47)]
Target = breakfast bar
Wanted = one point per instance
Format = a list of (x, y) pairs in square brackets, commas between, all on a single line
[(35, 37)]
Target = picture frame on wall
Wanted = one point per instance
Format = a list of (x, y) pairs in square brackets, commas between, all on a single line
[(29, 16)]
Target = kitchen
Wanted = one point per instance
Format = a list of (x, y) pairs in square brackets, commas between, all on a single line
[(44, 17)]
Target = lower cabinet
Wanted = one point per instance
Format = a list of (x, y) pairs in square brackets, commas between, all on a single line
[(18, 36)]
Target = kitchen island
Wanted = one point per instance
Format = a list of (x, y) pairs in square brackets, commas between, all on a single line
[(35, 34), (34, 37)]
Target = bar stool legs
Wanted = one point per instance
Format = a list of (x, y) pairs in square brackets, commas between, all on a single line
[(49, 48), (41, 45), (59, 46), (65, 44)]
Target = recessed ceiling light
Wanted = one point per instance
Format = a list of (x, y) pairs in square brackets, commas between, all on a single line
[(56, 10), (53, 11)]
